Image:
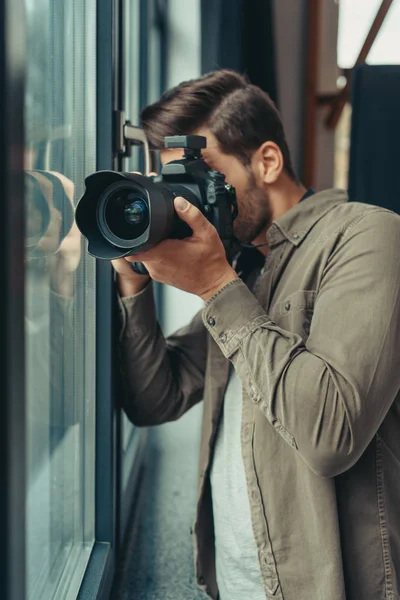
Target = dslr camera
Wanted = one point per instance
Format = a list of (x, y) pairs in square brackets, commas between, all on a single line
[(122, 214)]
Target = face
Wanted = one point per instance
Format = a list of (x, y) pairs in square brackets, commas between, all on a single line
[(253, 203)]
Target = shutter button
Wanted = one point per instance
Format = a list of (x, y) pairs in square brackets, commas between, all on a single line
[(211, 321)]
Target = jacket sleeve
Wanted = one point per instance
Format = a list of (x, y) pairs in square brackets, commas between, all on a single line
[(328, 397), (162, 378)]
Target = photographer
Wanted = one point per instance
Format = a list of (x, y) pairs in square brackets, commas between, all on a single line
[(295, 355)]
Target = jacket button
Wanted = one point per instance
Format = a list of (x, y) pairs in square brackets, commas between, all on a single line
[(223, 338), (191, 531), (211, 321), (201, 580), (296, 236), (287, 306)]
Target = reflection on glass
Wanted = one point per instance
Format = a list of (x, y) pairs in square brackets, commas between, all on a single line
[(60, 293)]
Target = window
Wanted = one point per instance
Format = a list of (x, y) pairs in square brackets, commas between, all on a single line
[(131, 41), (60, 120), (144, 68), (355, 19)]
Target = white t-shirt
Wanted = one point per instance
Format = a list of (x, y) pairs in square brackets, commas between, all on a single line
[(237, 567)]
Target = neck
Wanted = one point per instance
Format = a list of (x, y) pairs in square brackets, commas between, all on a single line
[(282, 198)]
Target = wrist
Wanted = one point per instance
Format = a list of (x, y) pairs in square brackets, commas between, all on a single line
[(223, 281), (129, 286)]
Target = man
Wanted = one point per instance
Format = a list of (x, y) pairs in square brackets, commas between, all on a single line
[(295, 355)]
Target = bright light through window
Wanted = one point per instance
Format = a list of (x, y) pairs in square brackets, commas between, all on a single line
[(355, 19)]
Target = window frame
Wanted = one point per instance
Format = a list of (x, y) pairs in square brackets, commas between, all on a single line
[(112, 511), (97, 582), (12, 313)]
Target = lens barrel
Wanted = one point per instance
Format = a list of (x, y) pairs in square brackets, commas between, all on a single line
[(121, 214)]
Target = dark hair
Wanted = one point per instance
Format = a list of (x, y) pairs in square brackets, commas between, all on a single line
[(239, 114)]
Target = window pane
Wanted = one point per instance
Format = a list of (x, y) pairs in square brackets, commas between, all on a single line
[(131, 103), (154, 50), (132, 66), (60, 116), (355, 20)]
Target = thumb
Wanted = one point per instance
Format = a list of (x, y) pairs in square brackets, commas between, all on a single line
[(191, 215)]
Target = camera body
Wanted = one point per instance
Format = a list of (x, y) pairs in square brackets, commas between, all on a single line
[(123, 214)]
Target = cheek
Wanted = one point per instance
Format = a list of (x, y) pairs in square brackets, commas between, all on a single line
[(244, 207)]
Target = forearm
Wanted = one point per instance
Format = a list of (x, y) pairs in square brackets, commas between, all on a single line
[(315, 397), (162, 379), (128, 286)]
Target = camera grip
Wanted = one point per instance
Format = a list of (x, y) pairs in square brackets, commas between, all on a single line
[(139, 268)]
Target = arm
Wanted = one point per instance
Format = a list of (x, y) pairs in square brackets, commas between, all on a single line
[(328, 397), (162, 378)]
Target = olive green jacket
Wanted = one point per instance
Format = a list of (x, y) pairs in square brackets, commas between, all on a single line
[(317, 348)]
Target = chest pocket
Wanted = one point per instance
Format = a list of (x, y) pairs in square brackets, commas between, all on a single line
[(294, 313)]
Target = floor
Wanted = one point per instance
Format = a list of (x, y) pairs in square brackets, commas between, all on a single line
[(158, 555)]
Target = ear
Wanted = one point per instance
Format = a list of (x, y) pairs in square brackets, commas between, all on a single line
[(268, 162)]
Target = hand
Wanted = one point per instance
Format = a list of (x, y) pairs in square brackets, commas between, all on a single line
[(196, 264), (129, 282)]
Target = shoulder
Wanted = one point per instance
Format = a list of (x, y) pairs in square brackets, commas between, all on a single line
[(361, 217), (349, 218)]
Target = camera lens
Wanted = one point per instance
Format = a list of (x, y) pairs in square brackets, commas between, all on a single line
[(126, 213), (136, 212)]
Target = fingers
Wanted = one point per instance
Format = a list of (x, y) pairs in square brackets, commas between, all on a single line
[(193, 217), (158, 253)]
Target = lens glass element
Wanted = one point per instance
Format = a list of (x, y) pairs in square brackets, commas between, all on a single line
[(127, 213), (135, 212)]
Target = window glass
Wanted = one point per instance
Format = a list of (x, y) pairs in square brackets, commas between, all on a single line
[(155, 15), (143, 65), (60, 116), (131, 103), (355, 20)]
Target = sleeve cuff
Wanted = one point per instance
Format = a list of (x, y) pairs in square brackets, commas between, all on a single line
[(137, 312), (231, 315)]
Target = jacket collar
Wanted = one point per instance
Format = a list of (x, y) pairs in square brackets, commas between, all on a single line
[(297, 222)]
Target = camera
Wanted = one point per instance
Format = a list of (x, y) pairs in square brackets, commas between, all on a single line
[(49, 213), (122, 214)]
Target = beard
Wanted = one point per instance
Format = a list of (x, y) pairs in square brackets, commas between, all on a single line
[(254, 212)]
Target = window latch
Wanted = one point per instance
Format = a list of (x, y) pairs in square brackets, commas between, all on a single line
[(127, 135)]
